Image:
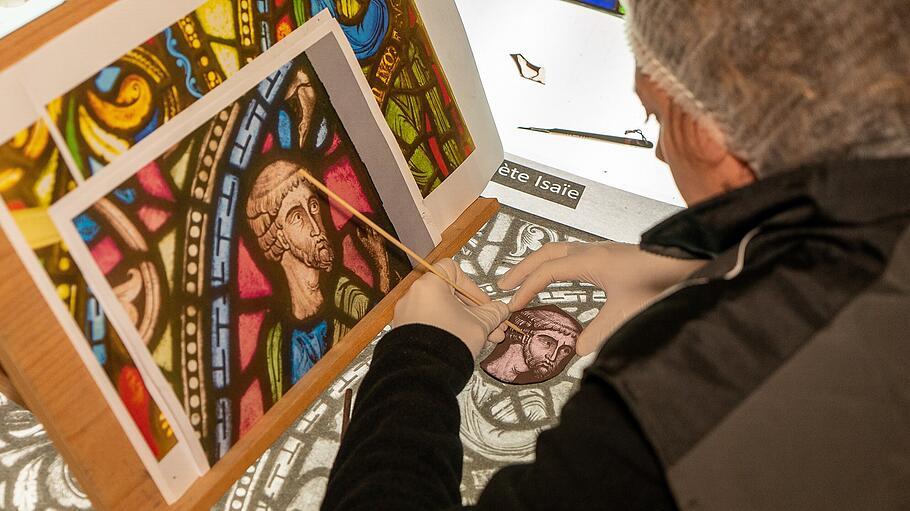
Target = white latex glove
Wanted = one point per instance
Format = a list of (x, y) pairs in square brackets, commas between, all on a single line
[(431, 301), (630, 277)]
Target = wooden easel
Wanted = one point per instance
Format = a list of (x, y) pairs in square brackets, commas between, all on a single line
[(46, 371), (46, 375), (7, 389)]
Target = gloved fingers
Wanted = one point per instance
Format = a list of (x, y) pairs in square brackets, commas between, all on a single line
[(473, 294), (556, 270), (430, 283), (611, 316), (597, 331), (549, 252), (402, 308), (491, 315), (498, 335)]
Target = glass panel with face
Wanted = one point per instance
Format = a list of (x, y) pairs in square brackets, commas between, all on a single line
[(543, 352)]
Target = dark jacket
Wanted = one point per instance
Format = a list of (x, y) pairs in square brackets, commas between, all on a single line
[(778, 377)]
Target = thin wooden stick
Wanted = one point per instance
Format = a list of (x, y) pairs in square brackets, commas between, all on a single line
[(394, 241), (346, 411)]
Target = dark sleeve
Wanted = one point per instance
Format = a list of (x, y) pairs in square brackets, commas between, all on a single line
[(597, 458), (402, 449)]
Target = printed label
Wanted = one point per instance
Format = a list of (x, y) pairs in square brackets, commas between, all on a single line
[(539, 184)]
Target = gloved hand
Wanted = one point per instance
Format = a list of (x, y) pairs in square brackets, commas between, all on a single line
[(630, 277), (431, 301)]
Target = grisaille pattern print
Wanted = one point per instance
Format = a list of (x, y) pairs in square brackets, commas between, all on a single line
[(33, 476), (500, 422)]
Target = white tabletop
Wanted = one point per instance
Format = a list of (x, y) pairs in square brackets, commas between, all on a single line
[(16, 13), (590, 75)]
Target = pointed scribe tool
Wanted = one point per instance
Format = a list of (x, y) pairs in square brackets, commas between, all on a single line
[(634, 142)]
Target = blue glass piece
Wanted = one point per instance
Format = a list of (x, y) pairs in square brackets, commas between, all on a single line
[(126, 195), (222, 426), (94, 165), (221, 339), (100, 353), (307, 348), (105, 80), (183, 62), (265, 39), (323, 134), (248, 134), (270, 87), (95, 329), (284, 130), (223, 235), (87, 227), (366, 37), (610, 5), (149, 128)]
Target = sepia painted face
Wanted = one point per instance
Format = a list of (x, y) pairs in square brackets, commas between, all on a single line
[(546, 350), (301, 223), (541, 353)]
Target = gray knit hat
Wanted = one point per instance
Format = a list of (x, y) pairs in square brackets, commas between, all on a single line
[(782, 83)]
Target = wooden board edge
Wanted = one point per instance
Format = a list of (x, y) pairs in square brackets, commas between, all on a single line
[(7, 389), (23, 41), (54, 384)]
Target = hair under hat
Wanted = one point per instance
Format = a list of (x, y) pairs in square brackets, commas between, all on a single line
[(783, 84)]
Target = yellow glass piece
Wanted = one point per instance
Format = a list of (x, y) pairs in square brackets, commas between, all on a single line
[(55, 109), (32, 140), (132, 104), (19, 139), (348, 8), (64, 264), (227, 57), (71, 300), (63, 291), (9, 178), (104, 144), (212, 79), (163, 354), (245, 10), (148, 62), (37, 141), (167, 249), (44, 185), (178, 171), (37, 227), (165, 425), (217, 18)]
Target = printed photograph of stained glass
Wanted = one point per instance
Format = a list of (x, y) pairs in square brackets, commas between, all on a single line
[(32, 178), (105, 116), (236, 275)]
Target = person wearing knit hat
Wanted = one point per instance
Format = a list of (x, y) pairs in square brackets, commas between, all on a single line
[(752, 353)]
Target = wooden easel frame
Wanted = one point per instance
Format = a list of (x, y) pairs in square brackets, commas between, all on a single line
[(46, 374), (55, 385)]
